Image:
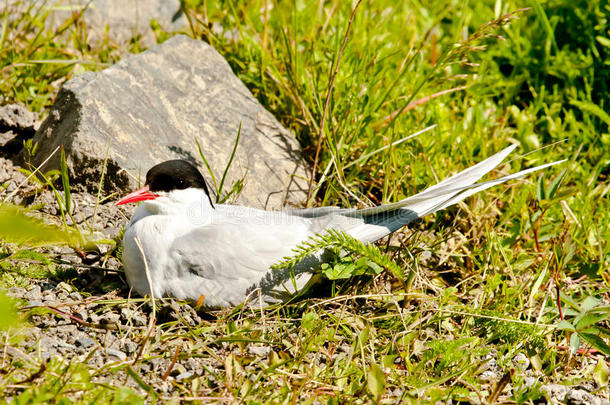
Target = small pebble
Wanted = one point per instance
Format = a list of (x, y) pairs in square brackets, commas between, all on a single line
[(521, 361), (66, 345), (64, 287), (184, 376), (130, 347), (84, 342), (109, 317), (76, 296), (34, 293), (116, 353), (261, 351)]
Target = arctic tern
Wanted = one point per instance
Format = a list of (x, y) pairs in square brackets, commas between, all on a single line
[(180, 244)]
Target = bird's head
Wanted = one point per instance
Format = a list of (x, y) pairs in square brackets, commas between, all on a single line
[(166, 178)]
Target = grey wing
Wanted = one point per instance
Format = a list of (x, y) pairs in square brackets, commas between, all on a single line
[(226, 262)]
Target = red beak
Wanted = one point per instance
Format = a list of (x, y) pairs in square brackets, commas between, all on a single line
[(140, 194)]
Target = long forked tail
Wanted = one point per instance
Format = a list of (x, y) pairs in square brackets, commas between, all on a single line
[(382, 220)]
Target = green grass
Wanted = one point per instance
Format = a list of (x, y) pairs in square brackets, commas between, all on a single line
[(485, 274)]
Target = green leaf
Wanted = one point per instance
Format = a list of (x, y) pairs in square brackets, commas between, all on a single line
[(592, 109), (590, 319), (600, 373), (597, 342), (8, 312), (340, 242), (375, 381), (565, 325), (552, 188), (141, 382), (309, 320), (589, 303), (340, 271), (65, 180), (16, 227), (603, 40), (540, 189), (375, 268)]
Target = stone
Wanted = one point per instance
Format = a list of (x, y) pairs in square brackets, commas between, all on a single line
[(134, 317), (17, 117), (261, 351), (84, 342), (17, 292), (184, 376), (150, 107), (130, 347), (34, 293), (558, 393), (63, 287), (582, 397), (126, 19), (109, 318), (75, 296), (521, 361), (17, 124), (116, 353), (117, 20)]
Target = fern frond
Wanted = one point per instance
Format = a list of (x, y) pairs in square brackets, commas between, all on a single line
[(339, 240)]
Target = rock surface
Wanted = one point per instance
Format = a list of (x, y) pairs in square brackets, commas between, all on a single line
[(116, 20), (126, 19), (17, 123), (151, 107)]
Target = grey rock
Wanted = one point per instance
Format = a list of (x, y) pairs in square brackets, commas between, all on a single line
[(184, 376), (521, 361), (17, 117), (75, 296), (130, 347), (578, 397), (63, 287), (136, 318), (66, 345), (150, 107), (93, 317), (261, 351), (34, 293), (109, 317), (116, 353), (194, 365), (492, 371), (17, 292), (82, 314), (530, 381), (46, 356), (121, 19), (17, 124), (84, 342), (47, 285), (557, 393), (125, 19)]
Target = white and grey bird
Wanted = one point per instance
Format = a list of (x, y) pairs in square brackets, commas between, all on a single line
[(179, 244)]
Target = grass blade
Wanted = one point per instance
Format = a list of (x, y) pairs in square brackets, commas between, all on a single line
[(65, 180), (207, 165), (224, 175)]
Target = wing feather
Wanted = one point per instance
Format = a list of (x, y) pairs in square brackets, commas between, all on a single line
[(224, 262)]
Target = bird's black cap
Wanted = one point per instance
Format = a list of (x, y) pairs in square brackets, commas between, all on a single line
[(175, 175)]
